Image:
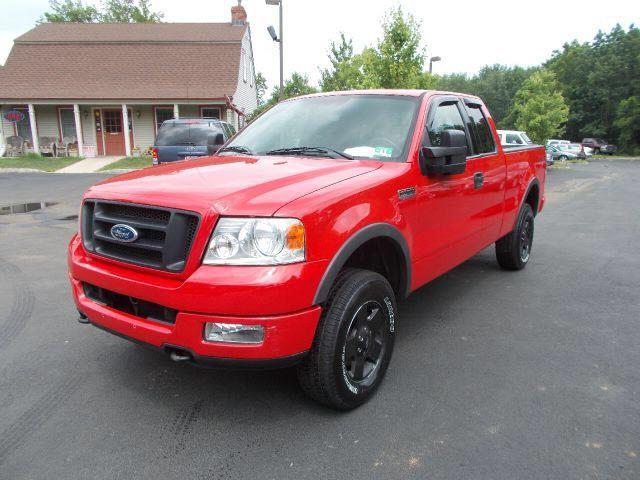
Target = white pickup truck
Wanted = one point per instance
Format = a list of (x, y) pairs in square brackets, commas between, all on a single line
[(514, 138)]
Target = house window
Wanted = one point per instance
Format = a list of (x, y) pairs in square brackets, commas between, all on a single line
[(67, 123), (210, 112), (23, 127), (162, 114), (250, 66)]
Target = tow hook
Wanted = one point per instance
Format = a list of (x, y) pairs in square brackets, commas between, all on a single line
[(82, 318)]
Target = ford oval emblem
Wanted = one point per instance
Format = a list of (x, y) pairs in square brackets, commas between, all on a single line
[(124, 233)]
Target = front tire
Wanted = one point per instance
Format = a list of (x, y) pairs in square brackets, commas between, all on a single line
[(514, 249), (353, 343)]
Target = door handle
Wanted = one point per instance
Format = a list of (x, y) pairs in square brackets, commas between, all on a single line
[(478, 180)]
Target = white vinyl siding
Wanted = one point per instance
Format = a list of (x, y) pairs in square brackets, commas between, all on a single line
[(246, 97)]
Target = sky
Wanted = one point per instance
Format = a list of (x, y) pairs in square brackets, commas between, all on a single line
[(467, 36)]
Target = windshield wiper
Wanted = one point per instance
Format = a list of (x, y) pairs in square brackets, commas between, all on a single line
[(308, 150), (236, 148)]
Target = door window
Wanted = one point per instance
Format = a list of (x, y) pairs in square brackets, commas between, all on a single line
[(112, 121), (446, 117), (481, 132)]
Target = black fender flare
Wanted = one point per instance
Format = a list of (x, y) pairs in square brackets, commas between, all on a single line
[(356, 240), (533, 183)]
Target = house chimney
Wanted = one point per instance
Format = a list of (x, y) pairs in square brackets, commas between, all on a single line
[(238, 14)]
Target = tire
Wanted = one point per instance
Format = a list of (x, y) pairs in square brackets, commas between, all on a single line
[(353, 342), (596, 151), (563, 158), (513, 251)]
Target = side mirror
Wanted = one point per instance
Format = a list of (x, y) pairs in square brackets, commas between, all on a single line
[(214, 142), (449, 158)]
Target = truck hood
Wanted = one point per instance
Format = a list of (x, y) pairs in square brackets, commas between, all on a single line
[(231, 185)]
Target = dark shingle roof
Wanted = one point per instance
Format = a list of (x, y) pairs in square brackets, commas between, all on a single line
[(67, 61)]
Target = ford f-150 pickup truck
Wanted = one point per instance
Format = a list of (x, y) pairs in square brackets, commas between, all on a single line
[(293, 243)]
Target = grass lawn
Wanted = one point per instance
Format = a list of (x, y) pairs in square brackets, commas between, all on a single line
[(128, 163), (616, 156), (38, 162)]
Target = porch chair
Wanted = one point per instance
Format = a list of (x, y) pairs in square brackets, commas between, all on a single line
[(15, 146), (47, 145), (63, 147)]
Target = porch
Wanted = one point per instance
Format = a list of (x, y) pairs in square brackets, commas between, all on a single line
[(92, 129)]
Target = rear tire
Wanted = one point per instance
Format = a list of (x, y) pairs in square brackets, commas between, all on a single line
[(514, 249), (353, 342), (562, 158)]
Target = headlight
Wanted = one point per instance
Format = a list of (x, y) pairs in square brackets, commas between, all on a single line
[(256, 241)]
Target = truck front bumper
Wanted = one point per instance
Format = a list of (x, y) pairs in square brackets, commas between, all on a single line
[(287, 336)]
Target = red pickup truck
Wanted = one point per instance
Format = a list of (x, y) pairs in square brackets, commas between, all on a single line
[(293, 243)]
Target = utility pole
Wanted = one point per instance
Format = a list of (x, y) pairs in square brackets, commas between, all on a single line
[(278, 38)]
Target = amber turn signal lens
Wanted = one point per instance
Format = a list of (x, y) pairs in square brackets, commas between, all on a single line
[(295, 237)]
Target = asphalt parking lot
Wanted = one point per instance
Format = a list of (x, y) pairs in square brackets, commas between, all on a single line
[(495, 375)]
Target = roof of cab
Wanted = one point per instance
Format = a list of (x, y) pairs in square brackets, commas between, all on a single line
[(398, 92)]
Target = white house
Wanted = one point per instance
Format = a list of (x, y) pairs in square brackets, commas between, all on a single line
[(110, 86)]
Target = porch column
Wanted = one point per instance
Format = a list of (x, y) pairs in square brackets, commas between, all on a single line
[(176, 111), (3, 140), (125, 129), (76, 117), (34, 129)]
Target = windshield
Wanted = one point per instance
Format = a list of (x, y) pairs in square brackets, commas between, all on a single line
[(362, 126), (175, 134)]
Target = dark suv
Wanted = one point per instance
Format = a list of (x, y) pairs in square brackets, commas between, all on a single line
[(599, 146), (182, 139)]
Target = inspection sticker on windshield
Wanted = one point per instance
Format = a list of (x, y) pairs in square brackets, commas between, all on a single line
[(383, 152)]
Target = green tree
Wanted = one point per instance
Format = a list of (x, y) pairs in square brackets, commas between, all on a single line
[(398, 58), (261, 87), (539, 107), (111, 11), (345, 72), (457, 82), (129, 11), (628, 124), (70, 11), (596, 77), (497, 86)]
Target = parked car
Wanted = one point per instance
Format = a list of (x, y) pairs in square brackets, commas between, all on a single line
[(576, 149), (561, 155), (550, 160), (293, 244), (514, 138), (599, 146), (182, 139), (555, 143)]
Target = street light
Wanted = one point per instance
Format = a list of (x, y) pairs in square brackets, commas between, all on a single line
[(278, 38), (431, 62)]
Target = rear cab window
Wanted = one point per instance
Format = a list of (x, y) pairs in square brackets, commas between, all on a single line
[(513, 139)]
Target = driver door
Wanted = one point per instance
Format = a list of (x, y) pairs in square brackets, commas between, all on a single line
[(450, 207)]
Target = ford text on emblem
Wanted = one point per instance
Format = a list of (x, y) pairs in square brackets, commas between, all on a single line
[(124, 233)]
